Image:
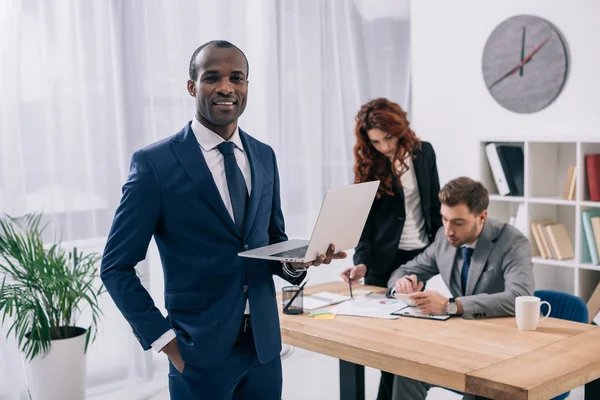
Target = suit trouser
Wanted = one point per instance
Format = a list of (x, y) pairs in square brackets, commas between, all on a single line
[(239, 377), (401, 257), (411, 389)]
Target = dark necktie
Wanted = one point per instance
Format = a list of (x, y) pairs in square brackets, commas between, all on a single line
[(238, 193), (467, 252)]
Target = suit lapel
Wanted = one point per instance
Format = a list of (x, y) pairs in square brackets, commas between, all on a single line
[(257, 178), (485, 244), (188, 152), (396, 188), (446, 262), (421, 174)]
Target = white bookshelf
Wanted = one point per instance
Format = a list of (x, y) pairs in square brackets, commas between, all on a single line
[(546, 164)]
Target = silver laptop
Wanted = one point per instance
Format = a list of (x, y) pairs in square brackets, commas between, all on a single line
[(341, 221)]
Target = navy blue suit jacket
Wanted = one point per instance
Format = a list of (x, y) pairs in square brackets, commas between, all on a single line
[(170, 193)]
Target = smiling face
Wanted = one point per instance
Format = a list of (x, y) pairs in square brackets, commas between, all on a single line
[(221, 88), (383, 142)]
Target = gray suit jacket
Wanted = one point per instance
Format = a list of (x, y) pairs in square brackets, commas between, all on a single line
[(500, 270)]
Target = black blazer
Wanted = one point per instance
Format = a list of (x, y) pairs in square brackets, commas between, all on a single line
[(379, 241)]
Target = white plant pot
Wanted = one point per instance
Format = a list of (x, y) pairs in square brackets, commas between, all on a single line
[(59, 374)]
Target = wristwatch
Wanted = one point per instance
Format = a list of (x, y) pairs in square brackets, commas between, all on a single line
[(451, 307)]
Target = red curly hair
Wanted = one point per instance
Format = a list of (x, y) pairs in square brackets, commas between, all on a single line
[(370, 164)]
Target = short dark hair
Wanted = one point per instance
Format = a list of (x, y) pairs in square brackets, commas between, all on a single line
[(466, 191), (221, 44)]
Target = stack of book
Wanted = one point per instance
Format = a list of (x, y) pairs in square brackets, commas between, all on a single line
[(551, 240)]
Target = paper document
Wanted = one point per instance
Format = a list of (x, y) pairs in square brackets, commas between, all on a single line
[(372, 306), (322, 299)]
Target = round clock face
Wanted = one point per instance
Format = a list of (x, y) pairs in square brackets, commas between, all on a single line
[(525, 63)]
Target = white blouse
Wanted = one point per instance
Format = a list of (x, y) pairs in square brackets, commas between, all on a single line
[(413, 235)]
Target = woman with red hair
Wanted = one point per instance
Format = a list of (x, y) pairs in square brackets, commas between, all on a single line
[(405, 215)]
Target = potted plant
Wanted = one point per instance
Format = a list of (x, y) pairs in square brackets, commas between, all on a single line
[(43, 291)]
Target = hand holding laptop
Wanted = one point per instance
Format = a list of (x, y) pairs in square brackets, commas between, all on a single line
[(322, 259)]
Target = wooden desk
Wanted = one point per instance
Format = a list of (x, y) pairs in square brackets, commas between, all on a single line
[(488, 357)]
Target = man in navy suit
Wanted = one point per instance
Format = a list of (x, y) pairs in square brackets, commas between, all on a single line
[(205, 194)]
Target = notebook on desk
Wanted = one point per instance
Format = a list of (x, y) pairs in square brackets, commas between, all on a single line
[(414, 312), (322, 299)]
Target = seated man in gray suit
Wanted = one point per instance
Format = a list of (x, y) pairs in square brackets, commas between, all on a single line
[(485, 263)]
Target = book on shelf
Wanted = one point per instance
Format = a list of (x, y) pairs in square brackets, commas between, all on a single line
[(590, 246), (507, 165), (592, 167), (547, 243), (560, 243), (541, 247), (569, 191), (519, 220), (497, 171), (596, 230)]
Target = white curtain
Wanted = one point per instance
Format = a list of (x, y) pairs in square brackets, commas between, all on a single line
[(85, 83)]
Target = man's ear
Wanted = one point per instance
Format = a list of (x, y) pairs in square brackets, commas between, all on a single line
[(483, 215), (191, 87)]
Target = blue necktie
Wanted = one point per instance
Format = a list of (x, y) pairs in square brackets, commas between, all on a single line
[(238, 193), (467, 252)]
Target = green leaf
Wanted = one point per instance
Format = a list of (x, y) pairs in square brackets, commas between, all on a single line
[(43, 288)]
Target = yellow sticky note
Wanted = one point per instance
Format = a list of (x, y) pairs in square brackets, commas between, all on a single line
[(325, 316)]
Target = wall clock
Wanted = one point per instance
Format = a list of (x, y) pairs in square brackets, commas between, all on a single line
[(525, 63)]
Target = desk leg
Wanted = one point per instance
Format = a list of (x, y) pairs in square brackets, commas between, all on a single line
[(592, 390), (352, 381)]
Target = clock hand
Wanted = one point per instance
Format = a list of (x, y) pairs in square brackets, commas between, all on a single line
[(539, 46), (521, 64), (522, 51), (506, 75)]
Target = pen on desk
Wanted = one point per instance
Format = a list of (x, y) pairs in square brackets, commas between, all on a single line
[(350, 285), (295, 295)]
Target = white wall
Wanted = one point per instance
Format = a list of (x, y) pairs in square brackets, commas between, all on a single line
[(451, 106)]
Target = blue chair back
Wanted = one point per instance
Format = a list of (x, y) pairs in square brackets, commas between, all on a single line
[(564, 306)]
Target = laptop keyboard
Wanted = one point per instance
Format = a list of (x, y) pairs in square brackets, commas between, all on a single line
[(299, 252)]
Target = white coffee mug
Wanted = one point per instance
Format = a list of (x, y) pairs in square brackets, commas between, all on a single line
[(527, 311)]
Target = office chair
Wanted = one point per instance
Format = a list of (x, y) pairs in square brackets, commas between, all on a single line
[(564, 306)]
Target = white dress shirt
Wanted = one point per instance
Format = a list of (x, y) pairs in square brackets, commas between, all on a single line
[(209, 141)]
